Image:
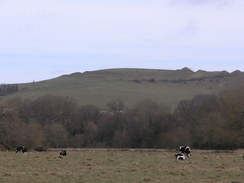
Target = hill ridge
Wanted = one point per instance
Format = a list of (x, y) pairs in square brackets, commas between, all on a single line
[(132, 85)]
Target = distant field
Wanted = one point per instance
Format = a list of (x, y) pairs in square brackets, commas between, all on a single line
[(121, 166)]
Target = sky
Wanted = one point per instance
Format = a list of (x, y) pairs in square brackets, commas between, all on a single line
[(43, 39)]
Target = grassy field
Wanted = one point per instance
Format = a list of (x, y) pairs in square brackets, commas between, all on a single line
[(121, 166)]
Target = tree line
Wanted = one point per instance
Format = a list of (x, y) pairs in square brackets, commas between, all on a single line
[(205, 122), (6, 89)]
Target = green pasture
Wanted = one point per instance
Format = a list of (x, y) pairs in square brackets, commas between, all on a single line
[(121, 166)]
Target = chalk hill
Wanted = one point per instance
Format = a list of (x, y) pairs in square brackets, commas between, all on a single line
[(132, 85)]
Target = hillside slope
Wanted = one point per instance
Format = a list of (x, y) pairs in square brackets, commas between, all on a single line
[(132, 85)]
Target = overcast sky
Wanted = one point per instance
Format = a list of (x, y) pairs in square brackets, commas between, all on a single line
[(42, 39)]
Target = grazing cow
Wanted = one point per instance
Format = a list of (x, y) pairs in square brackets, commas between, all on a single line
[(21, 148), (185, 150), (180, 156), (62, 153)]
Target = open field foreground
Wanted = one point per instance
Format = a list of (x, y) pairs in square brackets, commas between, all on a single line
[(121, 166)]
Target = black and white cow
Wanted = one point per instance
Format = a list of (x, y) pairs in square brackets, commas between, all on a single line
[(185, 150), (180, 156), (62, 153), (23, 149)]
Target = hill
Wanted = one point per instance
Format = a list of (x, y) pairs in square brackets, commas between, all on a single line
[(131, 86)]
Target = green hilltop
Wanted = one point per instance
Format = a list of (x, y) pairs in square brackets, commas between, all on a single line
[(166, 87)]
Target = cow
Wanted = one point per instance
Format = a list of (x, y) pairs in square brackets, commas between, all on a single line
[(179, 156), (185, 150), (23, 149), (62, 153)]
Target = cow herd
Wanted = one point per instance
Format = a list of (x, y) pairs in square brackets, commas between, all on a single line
[(180, 155)]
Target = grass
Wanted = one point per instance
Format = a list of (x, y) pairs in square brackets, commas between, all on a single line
[(120, 166)]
